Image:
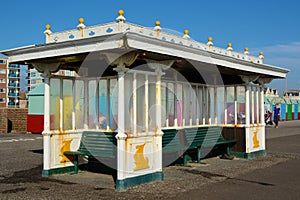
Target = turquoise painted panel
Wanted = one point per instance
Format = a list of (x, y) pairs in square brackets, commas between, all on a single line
[(283, 111), (296, 110), (36, 105)]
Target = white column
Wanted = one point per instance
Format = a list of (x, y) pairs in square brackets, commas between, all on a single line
[(86, 104), (97, 105), (247, 102), (146, 103), (262, 106), (235, 105), (197, 106), (108, 104), (134, 106), (257, 105), (46, 132), (252, 105), (73, 104), (158, 100), (121, 136), (61, 104), (225, 106)]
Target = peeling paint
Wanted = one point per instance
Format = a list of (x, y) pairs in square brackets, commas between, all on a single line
[(65, 147), (140, 161), (255, 140)]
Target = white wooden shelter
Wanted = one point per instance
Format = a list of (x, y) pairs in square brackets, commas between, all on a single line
[(138, 81)]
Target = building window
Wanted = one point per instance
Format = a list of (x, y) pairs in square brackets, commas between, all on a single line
[(2, 80), (2, 61), (2, 90), (2, 71), (2, 100)]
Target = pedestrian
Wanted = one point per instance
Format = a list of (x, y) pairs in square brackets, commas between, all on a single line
[(276, 115)]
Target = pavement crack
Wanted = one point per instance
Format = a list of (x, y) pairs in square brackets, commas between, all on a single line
[(12, 191)]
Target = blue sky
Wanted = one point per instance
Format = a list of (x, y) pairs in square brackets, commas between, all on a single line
[(272, 26)]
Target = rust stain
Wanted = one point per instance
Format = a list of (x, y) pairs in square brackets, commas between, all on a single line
[(65, 147), (140, 161), (255, 140)]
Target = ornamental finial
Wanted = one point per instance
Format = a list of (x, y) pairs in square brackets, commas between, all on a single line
[(48, 29), (157, 26), (121, 16), (186, 34), (81, 23), (210, 43), (229, 46)]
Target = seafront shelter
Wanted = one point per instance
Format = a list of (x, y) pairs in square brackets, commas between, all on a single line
[(134, 84)]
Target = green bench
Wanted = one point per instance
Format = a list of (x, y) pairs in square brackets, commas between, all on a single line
[(96, 144), (193, 138)]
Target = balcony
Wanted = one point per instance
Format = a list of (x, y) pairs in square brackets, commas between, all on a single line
[(13, 85), (11, 103), (13, 75), (11, 94), (13, 66)]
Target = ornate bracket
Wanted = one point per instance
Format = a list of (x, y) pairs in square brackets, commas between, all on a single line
[(159, 66), (248, 79), (263, 81), (46, 68)]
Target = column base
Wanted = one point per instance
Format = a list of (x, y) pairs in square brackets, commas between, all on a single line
[(50, 172), (122, 185), (249, 155)]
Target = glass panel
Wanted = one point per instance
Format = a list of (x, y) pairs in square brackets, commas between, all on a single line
[(67, 104), (103, 115), (179, 111), (194, 104), (211, 104), (163, 104), (152, 104), (54, 104), (241, 100), (114, 103), (140, 94), (200, 104), (129, 123), (230, 105), (79, 104), (220, 105), (170, 103), (92, 114), (187, 109)]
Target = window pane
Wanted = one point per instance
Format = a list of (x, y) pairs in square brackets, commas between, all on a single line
[(67, 104)]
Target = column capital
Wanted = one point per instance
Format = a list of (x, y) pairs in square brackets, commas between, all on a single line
[(263, 81), (121, 60), (159, 66), (249, 79), (46, 68)]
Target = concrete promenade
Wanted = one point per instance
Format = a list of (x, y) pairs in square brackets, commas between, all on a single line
[(275, 176)]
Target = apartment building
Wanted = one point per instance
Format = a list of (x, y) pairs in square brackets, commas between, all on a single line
[(3, 81)]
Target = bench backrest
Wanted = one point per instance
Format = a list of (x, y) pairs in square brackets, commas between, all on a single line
[(96, 143), (192, 137)]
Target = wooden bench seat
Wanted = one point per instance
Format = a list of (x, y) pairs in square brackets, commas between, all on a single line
[(96, 144), (194, 138)]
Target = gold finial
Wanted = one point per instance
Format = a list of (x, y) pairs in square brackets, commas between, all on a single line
[(261, 53), (186, 32), (210, 39), (229, 44), (81, 20), (246, 49), (121, 12), (48, 27), (157, 23)]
